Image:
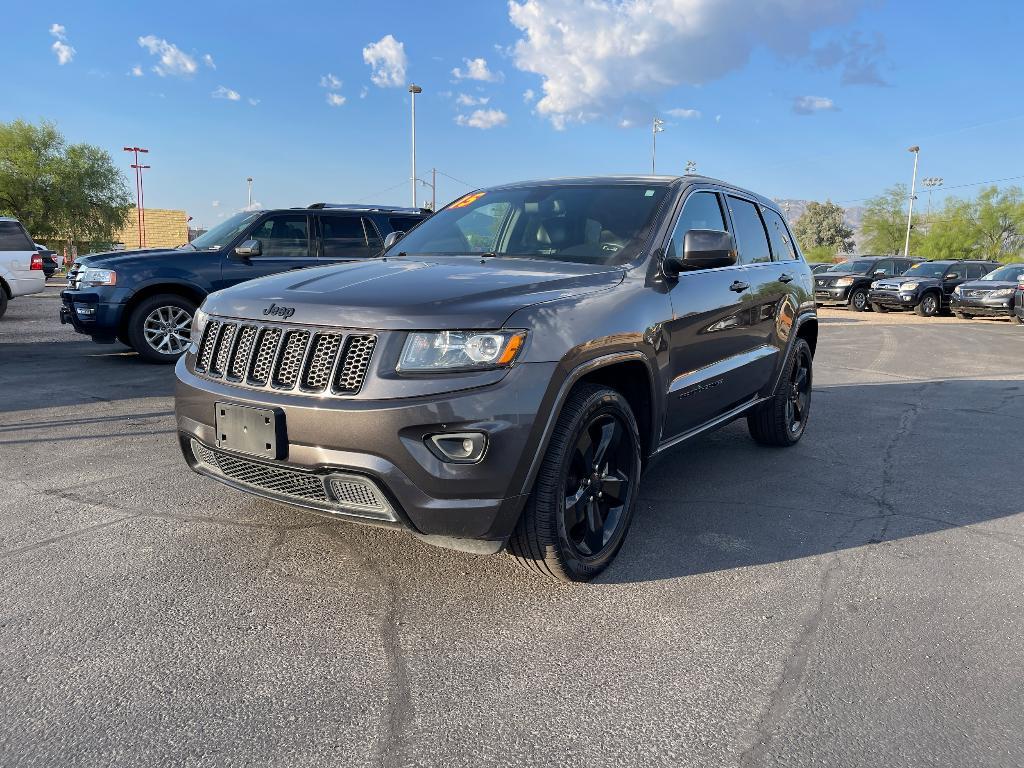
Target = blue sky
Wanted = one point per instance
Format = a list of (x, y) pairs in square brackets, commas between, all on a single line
[(792, 98)]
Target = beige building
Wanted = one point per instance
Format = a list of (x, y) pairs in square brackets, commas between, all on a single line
[(163, 229)]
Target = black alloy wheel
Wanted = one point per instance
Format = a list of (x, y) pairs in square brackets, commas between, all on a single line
[(859, 300), (928, 306), (582, 501), (799, 400), (782, 419)]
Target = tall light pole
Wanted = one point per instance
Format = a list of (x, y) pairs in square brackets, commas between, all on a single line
[(931, 182), (414, 89), (248, 180), (139, 197), (657, 126), (691, 166), (913, 189)]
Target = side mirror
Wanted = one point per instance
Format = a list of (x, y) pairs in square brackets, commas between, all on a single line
[(702, 249), (879, 273), (392, 238), (247, 250), (953, 276)]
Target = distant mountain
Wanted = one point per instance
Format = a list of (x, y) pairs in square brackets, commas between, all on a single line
[(794, 209)]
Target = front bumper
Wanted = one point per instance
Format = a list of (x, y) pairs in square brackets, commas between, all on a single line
[(894, 300), (88, 314), (832, 295), (384, 442), (1000, 307)]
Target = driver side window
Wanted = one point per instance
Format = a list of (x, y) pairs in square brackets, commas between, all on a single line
[(701, 211)]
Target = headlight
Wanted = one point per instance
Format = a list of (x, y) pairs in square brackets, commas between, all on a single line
[(92, 277), (956, 290), (199, 321), (874, 285), (1000, 292), (842, 282), (908, 286), (460, 350)]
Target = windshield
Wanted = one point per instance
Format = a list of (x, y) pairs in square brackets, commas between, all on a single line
[(224, 232), (926, 269), (590, 224), (856, 267), (1011, 273)]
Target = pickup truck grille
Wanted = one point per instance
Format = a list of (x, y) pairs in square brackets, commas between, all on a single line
[(285, 358)]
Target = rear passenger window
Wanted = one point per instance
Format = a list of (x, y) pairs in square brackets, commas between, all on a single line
[(13, 237), (403, 223), (974, 271), (782, 245), (701, 211), (902, 265), (750, 235), (343, 236)]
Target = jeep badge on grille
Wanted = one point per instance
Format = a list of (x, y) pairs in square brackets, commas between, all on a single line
[(275, 311)]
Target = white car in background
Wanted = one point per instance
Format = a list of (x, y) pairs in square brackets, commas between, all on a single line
[(21, 264)]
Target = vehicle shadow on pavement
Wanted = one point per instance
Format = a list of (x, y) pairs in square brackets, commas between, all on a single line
[(878, 463)]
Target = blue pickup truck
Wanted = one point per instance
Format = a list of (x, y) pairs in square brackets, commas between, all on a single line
[(146, 298)]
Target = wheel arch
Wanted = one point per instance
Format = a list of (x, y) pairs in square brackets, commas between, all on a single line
[(190, 292), (6, 288)]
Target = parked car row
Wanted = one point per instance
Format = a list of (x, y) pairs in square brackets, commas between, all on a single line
[(967, 288)]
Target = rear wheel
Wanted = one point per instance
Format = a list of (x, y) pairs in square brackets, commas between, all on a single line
[(1013, 316), (859, 300), (582, 501), (962, 315), (928, 306), (159, 327), (782, 419)]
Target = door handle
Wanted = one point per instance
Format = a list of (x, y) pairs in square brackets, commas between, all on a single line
[(738, 286), (785, 278)]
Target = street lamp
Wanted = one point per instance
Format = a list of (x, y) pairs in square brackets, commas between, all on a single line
[(691, 166), (140, 197), (414, 89), (931, 183), (913, 188), (248, 180), (656, 127)]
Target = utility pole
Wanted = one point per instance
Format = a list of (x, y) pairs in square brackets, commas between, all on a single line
[(248, 180), (913, 188), (433, 189), (656, 127), (414, 89), (139, 195), (931, 183)]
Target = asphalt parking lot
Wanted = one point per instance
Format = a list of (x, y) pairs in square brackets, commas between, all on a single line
[(854, 601)]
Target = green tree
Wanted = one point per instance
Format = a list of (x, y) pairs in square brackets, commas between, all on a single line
[(989, 227), (822, 231), (72, 193), (950, 234), (884, 226)]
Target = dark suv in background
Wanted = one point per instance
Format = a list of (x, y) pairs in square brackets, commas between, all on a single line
[(504, 373), (849, 281), (146, 299), (928, 287)]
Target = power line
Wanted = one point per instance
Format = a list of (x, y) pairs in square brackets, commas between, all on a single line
[(460, 181), (945, 187)]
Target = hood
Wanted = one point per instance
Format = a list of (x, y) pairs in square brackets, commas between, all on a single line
[(907, 279), (110, 259), (408, 293), (988, 285)]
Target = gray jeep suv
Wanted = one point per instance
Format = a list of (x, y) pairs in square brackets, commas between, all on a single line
[(501, 375)]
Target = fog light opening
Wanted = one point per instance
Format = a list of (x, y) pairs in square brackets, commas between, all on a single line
[(458, 447)]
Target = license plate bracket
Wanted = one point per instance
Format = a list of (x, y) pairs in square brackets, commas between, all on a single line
[(247, 429)]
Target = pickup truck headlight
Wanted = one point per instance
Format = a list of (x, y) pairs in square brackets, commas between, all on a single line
[(199, 321), (1000, 292), (908, 286), (92, 277), (842, 282), (460, 350)]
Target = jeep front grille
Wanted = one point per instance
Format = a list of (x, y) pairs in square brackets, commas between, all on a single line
[(285, 358), (335, 492)]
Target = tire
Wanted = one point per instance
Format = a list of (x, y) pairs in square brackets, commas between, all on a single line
[(782, 419), (878, 308), (928, 306), (962, 315), (160, 318), (3, 301), (1014, 317), (858, 301), (546, 539)]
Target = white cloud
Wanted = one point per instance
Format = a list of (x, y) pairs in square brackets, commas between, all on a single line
[(808, 105), (465, 100), (65, 53), (483, 119), (595, 58), (529, 95), (208, 61), (363, 92), (387, 62), (215, 203), (330, 82), (476, 69), (860, 59), (222, 92), (718, 118), (136, 71), (173, 61), (685, 114), (59, 31), (253, 102), (335, 99)]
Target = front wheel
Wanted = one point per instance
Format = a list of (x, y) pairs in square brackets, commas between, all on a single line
[(159, 327), (876, 307), (582, 501), (962, 315), (781, 419), (859, 300), (928, 306), (1014, 317)]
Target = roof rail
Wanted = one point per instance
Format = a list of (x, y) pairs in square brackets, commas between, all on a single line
[(369, 208)]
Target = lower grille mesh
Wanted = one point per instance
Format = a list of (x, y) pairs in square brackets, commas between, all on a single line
[(276, 479)]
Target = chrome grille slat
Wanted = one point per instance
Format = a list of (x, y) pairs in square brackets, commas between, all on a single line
[(285, 357)]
